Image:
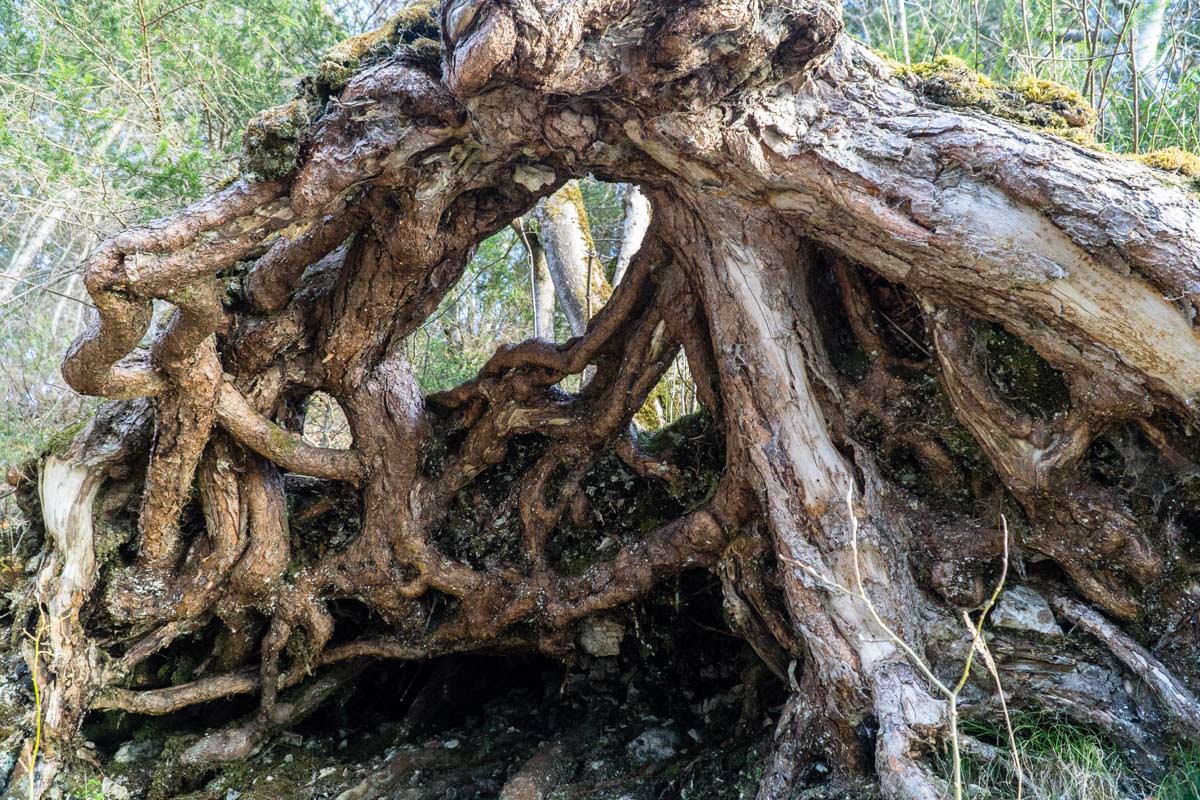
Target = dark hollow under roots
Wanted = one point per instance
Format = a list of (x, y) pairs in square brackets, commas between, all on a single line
[(677, 707)]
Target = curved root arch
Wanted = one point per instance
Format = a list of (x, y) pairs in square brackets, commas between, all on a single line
[(777, 156)]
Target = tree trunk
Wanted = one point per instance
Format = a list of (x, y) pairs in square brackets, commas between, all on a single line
[(543, 289), (633, 229), (574, 265), (858, 278)]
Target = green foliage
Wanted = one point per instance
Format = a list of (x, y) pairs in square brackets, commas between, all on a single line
[(1183, 778), (113, 112), (177, 86), (92, 789), (491, 306)]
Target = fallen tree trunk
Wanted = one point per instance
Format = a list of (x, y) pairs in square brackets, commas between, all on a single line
[(937, 313)]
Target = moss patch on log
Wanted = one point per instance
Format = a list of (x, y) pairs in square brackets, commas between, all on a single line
[(1177, 160), (1023, 378), (1031, 101), (416, 26)]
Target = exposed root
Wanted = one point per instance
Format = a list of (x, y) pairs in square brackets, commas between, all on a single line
[(1174, 696), (313, 283), (1080, 526), (238, 742)]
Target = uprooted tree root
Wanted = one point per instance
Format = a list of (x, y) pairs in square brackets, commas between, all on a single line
[(872, 293)]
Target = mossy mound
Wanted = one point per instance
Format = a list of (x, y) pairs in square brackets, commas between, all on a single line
[(271, 144), (949, 81), (1035, 102), (1177, 160), (1173, 159), (416, 26)]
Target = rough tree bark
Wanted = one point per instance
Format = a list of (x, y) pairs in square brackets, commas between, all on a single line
[(541, 285), (834, 254)]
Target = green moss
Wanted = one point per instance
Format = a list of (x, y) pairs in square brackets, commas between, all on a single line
[(321, 520), (281, 439), (170, 776), (573, 194), (694, 445), (949, 81), (1052, 105), (1022, 377), (568, 197), (58, 443), (1173, 159), (1177, 160), (286, 773), (271, 143), (415, 26), (1030, 101)]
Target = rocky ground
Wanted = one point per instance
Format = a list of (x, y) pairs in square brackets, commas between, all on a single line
[(670, 705)]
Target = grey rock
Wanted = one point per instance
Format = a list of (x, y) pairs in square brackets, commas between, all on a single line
[(114, 790), (1022, 609), (601, 637), (7, 762), (653, 745), (130, 752)]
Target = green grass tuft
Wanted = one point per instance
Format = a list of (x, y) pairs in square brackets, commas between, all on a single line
[(1065, 761)]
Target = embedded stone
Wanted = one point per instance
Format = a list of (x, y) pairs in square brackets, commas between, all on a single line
[(1022, 609)]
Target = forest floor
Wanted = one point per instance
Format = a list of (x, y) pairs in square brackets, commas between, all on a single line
[(683, 711)]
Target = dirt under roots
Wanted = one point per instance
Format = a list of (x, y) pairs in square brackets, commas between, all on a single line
[(677, 707)]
